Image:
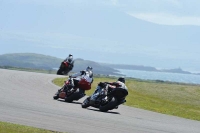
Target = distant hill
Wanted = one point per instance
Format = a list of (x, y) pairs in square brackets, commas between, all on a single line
[(131, 67), (175, 70), (147, 68), (81, 64), (39, 61), (29, 60)]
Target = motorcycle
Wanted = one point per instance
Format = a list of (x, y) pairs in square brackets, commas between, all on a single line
[(68, 93), (64, 68), (103, 99)]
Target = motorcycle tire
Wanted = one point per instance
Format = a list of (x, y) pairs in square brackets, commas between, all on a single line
[(56, 96), (66, 72), (74, 96), (85, 103), (59, 72), (109, 106)]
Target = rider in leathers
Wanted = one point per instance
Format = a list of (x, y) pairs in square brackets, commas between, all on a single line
[(85, 74), (70, 60), (113, 87)]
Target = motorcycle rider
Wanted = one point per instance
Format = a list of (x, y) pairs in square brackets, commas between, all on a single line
[(113, 87), (70, 60), (86, 74)]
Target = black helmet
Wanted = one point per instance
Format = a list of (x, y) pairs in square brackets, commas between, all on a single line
[(89, 68), (121, 79)]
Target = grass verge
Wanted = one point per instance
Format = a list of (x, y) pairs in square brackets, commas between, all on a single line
[(6, 127), (176, 99)]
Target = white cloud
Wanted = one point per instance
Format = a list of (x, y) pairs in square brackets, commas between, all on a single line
[(167, 19)]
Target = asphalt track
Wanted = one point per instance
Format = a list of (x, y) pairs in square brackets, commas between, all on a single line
[(26, 98)]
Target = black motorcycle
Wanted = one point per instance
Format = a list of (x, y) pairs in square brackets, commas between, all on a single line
[(104, 99)]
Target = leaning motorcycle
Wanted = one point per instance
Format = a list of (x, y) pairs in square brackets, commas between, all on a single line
[(103, 99), (68, 93), (64, 68)]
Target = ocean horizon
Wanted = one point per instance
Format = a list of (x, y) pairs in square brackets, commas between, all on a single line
[(164, 76)]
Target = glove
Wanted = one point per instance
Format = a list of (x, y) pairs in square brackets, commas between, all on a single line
[(101, 84)]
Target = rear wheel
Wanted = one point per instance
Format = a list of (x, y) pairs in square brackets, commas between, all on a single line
[(74, 96), (59, 72), (66, 72), (109, 106)]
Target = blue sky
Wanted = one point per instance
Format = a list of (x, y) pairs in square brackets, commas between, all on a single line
[(158, 33)]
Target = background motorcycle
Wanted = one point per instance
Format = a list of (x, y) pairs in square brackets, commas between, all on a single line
[(103, 99), (64, 68), (69, 94)]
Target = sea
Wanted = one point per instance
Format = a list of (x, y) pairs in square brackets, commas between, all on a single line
[(163, 76)]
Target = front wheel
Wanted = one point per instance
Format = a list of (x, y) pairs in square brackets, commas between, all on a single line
[(85, 103), (56, 96)]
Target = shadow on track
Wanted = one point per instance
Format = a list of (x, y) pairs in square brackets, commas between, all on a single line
[(103, 112), (76, 102), (61, 100), (67, 102)]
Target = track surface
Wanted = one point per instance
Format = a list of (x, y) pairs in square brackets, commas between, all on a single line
[(27, 98)]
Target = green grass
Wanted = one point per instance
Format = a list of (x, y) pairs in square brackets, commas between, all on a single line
[(6, 127), (176, 99)]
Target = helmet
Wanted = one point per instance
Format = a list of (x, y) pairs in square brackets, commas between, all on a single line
[(70, 55), (70, 58), (89, 68), (121, 79)]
